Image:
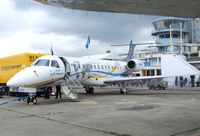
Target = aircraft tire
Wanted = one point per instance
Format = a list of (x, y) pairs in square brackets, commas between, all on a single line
[(87, 91), (91, 90), (123, 91), (34, 100), (28, 100)]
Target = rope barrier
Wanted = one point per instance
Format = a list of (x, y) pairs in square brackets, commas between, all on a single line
[(13, 100)]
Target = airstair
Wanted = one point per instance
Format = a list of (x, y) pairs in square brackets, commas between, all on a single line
[(69, 85)]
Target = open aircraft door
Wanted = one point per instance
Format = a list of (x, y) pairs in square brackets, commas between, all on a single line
[(67, 65)]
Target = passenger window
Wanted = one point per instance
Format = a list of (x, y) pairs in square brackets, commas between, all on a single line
[(54, 63), (42, 62)]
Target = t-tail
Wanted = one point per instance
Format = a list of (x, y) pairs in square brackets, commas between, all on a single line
[(130, 51)]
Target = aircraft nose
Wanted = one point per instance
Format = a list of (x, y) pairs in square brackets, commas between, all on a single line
[(31, 76), (12, 82), (22, 78), (17, 80)]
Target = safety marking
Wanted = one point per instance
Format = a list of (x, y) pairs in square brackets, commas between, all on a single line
[(125, 101), (128, 102), (87, 102)]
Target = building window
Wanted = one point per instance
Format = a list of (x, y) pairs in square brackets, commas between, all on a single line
[(158, 72)]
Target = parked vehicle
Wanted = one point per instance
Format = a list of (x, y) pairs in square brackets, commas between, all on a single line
[(157, 84)]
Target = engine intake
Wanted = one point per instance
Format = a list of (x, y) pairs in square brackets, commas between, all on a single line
[(135, 65)]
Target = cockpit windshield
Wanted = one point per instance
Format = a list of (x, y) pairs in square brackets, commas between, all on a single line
[(54, 63), (42, 62)]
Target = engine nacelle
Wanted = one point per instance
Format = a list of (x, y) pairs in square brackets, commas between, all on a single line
[(135, 65)]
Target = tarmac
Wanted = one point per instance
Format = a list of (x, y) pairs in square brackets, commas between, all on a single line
[(106, 113)]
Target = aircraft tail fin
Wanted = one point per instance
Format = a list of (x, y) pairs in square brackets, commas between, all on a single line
[(130, 51), (173, 65)]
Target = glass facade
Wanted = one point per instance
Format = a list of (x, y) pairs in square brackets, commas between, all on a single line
[(163, 25), (195, 30)]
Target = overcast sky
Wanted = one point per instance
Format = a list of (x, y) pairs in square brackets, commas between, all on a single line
[(27, 26)]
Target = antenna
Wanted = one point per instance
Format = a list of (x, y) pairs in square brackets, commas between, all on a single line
[(52, 53)]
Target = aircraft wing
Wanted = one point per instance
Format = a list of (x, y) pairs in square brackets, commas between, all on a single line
[(178, 8), (127, 79), (171, 66)]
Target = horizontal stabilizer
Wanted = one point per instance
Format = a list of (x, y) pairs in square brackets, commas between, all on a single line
[(173, 65)]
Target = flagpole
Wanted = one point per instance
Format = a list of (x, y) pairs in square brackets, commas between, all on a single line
[(170, 30), (181, 37)]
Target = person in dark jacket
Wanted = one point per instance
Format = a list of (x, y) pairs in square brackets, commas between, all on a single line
[(58, 92)]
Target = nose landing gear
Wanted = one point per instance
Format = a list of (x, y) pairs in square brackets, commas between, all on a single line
[(89, 90), (31, 99)]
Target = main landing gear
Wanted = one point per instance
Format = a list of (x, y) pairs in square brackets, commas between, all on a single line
[(124, 90), (89, 90)]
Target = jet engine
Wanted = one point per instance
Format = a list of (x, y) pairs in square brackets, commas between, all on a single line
[(135, 65)]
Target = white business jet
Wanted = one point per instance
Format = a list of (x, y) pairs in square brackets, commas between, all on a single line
[(52, 70)]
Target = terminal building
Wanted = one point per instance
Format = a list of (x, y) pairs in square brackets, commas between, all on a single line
[(173, 36)]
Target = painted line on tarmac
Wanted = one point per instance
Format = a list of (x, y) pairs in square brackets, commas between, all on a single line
[(128, 102), (87, 102)]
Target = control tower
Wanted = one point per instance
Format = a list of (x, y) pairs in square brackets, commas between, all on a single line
[(171, 34)]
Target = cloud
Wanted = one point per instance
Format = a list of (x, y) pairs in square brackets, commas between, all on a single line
[(31, 26)]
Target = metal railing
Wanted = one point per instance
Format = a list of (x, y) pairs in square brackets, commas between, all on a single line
[(71, 82)]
